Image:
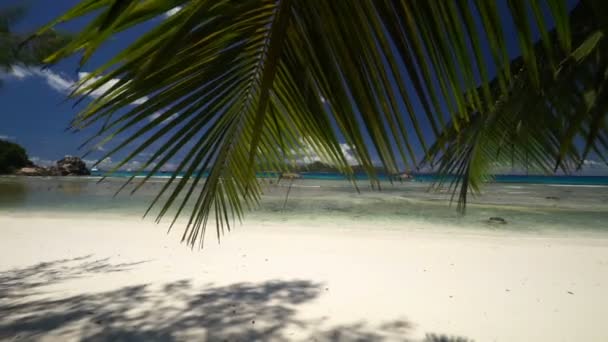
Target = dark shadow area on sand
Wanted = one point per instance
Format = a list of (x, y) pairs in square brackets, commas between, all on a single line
[(176, 311)]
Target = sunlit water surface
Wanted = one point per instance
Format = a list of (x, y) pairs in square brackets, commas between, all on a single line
[(314, 202)]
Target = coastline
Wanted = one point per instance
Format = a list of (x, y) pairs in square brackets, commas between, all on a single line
[(108, 278), (528, 208), (329, 265)]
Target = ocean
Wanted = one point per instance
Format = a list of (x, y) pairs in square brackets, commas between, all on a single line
[(327, 176), (526, 203)]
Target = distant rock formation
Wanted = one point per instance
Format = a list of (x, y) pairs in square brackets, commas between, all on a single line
[(71, 166), (68, 166), (14, 160)]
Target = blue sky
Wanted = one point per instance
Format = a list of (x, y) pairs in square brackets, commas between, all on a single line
[(35, 112)]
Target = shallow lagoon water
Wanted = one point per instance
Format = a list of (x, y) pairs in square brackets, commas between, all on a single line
[(313, 202)]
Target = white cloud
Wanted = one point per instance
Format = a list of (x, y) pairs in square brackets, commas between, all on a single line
[(42, 162), (19, 73), (57, 81), (6, 137), (173, 11), (307, 155), (134, 165), (594, 164), (62, 83), (349, 154), (104, 87), (105, 164), (54, 80)]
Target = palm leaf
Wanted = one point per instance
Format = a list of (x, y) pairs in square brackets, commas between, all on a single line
[(15, 49), (245, 83), (532, 127)]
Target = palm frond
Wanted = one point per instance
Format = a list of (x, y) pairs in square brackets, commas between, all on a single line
[(240, 84), (15, 49), (536, 128)]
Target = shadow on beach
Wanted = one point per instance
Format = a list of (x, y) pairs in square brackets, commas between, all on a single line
[(176, 311)]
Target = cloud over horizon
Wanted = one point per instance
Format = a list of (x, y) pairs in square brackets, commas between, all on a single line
[(103, 88), (106, 164), (60, 82), (307, 155), (54, 80)]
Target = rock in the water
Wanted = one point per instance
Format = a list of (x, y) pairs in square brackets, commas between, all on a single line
[(72, 166), (290, 175), (497, 220)]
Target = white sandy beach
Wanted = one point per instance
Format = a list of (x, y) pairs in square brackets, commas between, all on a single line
[(81, 278)]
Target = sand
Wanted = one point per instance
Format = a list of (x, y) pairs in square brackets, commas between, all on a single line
[(85, 278)]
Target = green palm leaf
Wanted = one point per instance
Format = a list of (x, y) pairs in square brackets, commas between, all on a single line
[(536, 128), (15, 49), (242, 84)]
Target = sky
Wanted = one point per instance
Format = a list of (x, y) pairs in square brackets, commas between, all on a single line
[(34, 110)]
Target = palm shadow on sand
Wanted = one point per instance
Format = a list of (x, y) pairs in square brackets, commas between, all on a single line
[(176, 311)]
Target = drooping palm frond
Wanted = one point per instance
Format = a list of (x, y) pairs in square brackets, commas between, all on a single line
[(239, 84), (552, 127)]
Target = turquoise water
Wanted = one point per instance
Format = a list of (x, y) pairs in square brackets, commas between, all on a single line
[(527, 203), (425, 178)]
